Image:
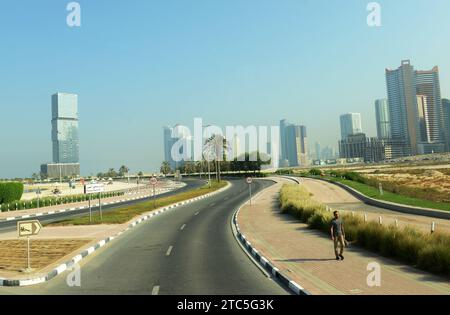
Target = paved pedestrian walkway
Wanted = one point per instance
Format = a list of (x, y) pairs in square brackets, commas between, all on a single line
[(307, 256)]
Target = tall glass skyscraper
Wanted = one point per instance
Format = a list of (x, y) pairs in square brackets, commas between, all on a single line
[(350, 125), (383, 119), (427, 84), (401, 91), (294, 144), (65, 128)]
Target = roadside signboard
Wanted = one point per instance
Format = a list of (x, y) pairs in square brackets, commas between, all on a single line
[(153, 181), (249, 182), (28, 228), (94, 188)]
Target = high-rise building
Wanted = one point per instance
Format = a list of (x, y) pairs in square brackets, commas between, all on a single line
[(429, 94), (294, 145), (446, 115), (65, 140), (383, 119), (65, 128), (415, 108), (350, 124), (402, 100)]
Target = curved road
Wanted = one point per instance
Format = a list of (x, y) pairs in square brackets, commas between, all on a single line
[(187, 251), (8, 226)]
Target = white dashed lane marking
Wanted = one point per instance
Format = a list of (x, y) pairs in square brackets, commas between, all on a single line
[(182, 227), (169, 251)]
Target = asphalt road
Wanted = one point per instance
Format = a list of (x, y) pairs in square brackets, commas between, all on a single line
[(8, 226), (187, 251)]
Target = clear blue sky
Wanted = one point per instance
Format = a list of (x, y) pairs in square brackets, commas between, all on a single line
[(142, 64)]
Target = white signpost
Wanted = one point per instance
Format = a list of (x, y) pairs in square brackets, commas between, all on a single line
[(38, 194), (94, 188), (249, 182), (27, 229), (154, 182)]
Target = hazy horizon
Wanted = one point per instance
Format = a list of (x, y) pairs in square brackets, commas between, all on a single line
[(139, 67)]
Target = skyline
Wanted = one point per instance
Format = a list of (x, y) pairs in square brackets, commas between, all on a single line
[(230, 63)]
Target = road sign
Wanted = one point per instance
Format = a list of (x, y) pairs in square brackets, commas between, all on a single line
[(153, 181), (94, 188), (249, 180), (28, 228)]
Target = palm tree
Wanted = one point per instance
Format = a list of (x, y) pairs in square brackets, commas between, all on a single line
[(123, 170), (216, 145), (165, 168)]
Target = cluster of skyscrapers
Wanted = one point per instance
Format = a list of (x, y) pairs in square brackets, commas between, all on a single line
[(65, 138), (413, 120)]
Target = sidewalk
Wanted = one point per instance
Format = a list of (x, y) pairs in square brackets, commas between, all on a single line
[(307, 256)]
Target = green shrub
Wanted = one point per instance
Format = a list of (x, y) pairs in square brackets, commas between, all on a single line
[(10, 192), (315, 172)]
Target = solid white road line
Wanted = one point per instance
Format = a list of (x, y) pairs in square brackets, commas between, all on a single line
[(155, 290), (169, 251), (182, 227)]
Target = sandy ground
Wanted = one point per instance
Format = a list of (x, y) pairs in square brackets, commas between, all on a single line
[(339, 199), (13, 257)]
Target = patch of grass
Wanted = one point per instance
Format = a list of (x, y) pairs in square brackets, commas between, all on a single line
[(374, 193), (126, 213), (429, 252)]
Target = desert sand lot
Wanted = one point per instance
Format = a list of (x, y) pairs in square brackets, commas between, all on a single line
[(13, 257)]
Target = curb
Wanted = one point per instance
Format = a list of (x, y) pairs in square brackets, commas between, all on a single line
[(36, 215), (264, 262), (87, 252)]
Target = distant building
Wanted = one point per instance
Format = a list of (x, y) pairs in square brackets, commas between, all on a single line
[(382, 119), (416, 113), (401, 91), (360, 147), (294, 145), (429, 95), (65, 139), (60, 170), (350, 124), (65, 128), (446, 114)]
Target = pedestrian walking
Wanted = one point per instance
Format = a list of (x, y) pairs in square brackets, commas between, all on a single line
[(338, 235)]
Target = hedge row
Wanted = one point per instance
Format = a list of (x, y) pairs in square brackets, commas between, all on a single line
[(10, 192), (51, 201), (426, 251)]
